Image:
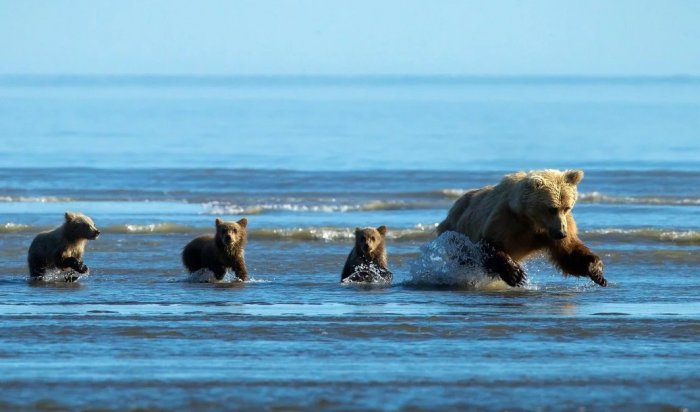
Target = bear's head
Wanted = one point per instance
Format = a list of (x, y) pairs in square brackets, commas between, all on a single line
[(231, 234), (79, 226), (547, 197), (369, 241)]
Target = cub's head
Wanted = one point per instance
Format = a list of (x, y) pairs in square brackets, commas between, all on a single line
[(369, 240), (231, 234), (547, 197), (79, 226)]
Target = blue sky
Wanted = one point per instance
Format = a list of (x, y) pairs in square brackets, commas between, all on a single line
[(265, 37)]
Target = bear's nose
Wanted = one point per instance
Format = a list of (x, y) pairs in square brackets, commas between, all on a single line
[(228, 238), (97, 232), (559, 234)]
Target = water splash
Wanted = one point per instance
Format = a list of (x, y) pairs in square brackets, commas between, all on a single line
[(452, 260), (59, 276), (369, 272), (207, 276)]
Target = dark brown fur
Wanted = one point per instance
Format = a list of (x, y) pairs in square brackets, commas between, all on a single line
[(524, 214), (369, 248), (63, 247), (220, 252)]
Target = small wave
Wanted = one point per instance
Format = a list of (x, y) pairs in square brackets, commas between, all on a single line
[(223, 208), (151, 228), (597, 197), (32, 199), (438, 266), (680, 237), (452, 193), (419, 232), (11, 227)]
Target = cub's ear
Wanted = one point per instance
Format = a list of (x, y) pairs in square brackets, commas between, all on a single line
[(573, 177), (69, 216), (243, 222), (218, 222), (358, 230), (382, 230)]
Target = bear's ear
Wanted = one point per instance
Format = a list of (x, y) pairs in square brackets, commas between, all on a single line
[(218, 222), (382, 230), (358, 230), (537, 182), (243, 222), (573, 177), (69, 216)]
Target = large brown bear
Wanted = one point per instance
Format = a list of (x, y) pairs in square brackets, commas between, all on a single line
[(523, 214), (369, 249), (222, 251), (63, 247)]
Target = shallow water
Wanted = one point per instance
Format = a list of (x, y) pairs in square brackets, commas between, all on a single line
[(155, 161)]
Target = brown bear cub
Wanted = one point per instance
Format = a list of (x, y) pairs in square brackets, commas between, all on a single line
[(523, 214), (62, 248), (369, 250), (219, 252)]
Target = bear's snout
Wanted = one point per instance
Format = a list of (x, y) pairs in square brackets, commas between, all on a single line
[(228, 238)]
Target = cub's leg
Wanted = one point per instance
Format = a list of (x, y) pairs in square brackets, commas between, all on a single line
[(240, 269)]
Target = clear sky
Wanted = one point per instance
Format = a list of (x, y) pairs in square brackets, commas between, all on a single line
[(268, 37)]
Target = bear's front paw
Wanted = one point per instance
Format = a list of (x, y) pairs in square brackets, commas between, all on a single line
[(595, 271), (500, 263), (514, 275), (82, 268)]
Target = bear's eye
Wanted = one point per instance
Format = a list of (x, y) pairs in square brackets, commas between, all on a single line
[(553, 210), (372, 238), (235, 230)]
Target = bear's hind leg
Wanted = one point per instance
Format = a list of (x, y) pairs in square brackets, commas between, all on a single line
[(500, 263)]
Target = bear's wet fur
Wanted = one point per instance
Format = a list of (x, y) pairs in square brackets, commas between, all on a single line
[(63, 247), (523, 214), (369, 249), (224, 250)]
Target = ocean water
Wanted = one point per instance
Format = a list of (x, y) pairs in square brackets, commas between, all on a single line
[(155, 160)]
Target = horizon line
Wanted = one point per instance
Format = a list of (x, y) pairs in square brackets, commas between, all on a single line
[(350, 76)]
